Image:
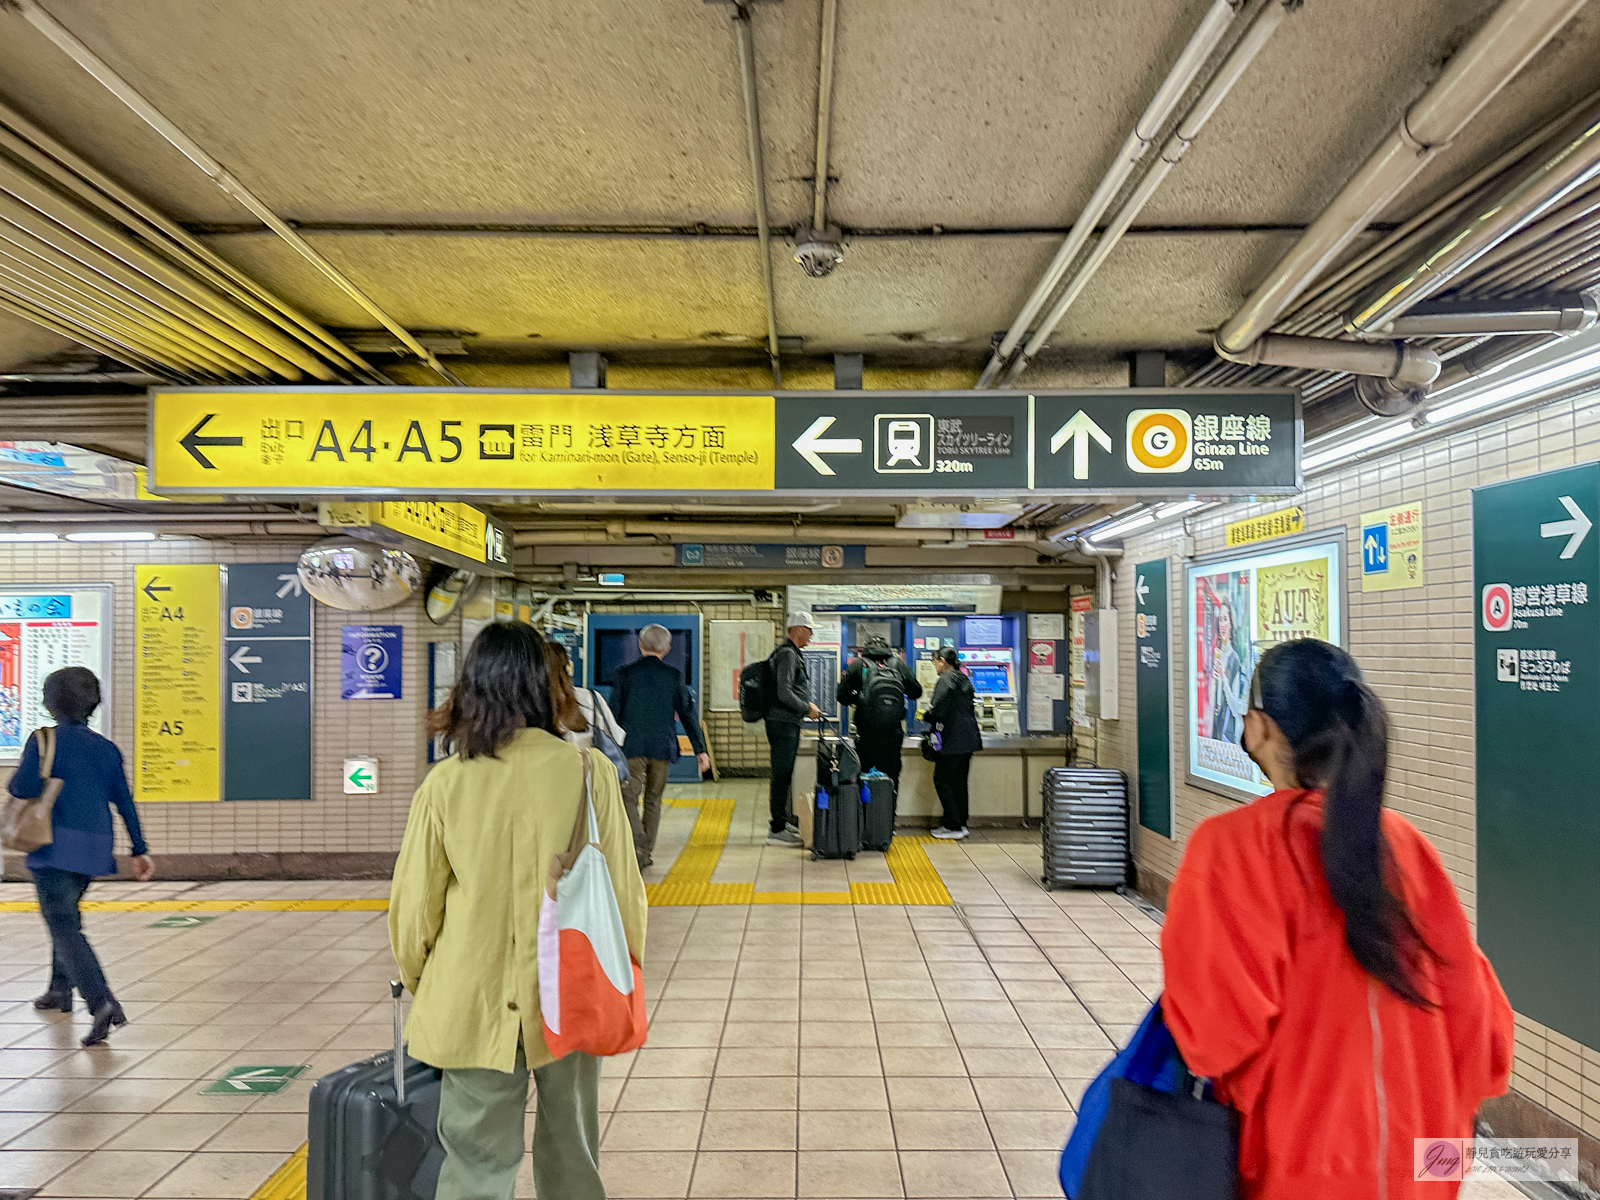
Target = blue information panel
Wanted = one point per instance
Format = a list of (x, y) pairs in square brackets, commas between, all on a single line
[(369, 662), (267, 716)]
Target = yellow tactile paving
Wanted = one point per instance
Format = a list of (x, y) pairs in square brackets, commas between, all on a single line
[(688, 883), (288, 1182)]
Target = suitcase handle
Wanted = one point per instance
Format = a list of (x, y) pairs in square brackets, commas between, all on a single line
[(395, 990)]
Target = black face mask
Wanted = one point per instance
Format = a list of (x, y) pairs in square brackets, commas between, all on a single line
[(1256, 702)]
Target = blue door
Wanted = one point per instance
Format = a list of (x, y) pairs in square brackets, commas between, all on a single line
[(612, 642)]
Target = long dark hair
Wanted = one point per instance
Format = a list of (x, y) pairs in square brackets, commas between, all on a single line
[(1339, 732), (504, 686), (568, 712)]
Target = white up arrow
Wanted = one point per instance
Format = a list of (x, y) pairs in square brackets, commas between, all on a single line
[(812, 446), (291, 583), (238, 659), (1574, 530), (1078, 431)]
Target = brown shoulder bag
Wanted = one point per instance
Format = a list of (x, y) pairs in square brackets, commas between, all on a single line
[(25, 825)]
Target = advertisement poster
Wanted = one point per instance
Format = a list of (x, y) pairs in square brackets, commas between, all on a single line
[(734, 645), (1077, 679), (1391, 548), (42, 630), (1236, 608)]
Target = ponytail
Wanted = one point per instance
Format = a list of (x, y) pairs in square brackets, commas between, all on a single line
[(1339, 733)]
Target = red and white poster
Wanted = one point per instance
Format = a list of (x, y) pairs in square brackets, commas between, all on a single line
[(1041, 656)]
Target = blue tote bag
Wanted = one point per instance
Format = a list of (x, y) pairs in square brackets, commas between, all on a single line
[(1141, 1132)]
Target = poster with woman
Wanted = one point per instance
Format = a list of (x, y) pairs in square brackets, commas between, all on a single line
[(1237, 606)]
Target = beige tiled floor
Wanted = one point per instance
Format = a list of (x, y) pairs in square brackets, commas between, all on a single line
[(819, 1051)]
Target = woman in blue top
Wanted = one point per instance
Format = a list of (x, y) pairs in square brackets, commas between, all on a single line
[(90, 769)]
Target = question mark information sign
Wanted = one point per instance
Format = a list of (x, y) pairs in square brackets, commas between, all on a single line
[(369, 662), (177, 724)]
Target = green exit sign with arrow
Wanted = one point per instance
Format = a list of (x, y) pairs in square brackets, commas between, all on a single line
[(252, 1080), (360, 776)]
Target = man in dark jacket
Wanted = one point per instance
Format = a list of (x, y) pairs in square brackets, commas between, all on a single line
[(646, 697), (878, 685), (791, 704)]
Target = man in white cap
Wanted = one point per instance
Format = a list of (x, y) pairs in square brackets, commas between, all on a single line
[(791, 704)]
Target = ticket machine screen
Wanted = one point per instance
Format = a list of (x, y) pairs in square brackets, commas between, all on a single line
[(990, 680)]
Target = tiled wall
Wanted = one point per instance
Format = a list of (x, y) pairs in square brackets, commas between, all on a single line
[(1416, 647), (388, 730)]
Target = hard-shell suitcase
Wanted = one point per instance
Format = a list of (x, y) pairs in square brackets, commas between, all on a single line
[(836, 802), (877, 811), (374, 1128), (1085, 827)]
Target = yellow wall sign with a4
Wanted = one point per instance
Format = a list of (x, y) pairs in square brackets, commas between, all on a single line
[(1391, 548), (410, 440), (1284, 523), (177, 720)]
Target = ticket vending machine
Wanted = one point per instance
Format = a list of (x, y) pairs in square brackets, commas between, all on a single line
[(611, 641)]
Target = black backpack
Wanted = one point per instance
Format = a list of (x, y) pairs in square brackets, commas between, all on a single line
[(883, 696), (757, 690)]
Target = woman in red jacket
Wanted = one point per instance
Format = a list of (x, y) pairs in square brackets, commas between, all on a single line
[(1319, 967)]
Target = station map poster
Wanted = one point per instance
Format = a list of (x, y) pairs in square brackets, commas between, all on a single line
[(43, 629), (177, 726), (734, 644), (1235, 606), (1536, 621)]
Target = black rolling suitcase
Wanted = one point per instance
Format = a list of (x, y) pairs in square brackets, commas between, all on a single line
[(877, 811), (374, 1129), (836, 803), (1085, 827)]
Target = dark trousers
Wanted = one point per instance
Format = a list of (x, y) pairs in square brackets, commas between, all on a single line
[(880, 748), (72, 960), (950, 781), (784, 738), (647, 779)]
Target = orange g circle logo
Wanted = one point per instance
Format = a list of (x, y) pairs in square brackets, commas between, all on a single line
[(1160, 440)]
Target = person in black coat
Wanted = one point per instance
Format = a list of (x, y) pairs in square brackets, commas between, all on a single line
[(878, 738), (646, 696), (955, 716)]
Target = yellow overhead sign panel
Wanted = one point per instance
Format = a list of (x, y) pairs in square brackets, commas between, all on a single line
[(416, 441), (449, 524), (1283, 523)]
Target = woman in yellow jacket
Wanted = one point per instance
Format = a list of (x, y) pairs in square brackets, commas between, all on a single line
[(464, 920)]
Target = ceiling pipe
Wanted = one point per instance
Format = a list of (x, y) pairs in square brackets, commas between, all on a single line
[(758, 172), (94, 339), (1543, 186), (50, 158), (1413, 366), (821, 247), (785, 534), (1216, 90), (1206, 38), (1565, 314), (1516, 31), (68, 43)]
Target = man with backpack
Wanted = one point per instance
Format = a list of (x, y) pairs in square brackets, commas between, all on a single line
[(878, 685), (790, 705)]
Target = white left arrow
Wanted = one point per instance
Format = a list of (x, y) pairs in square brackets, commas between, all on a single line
[(259, 1075), (241, 656), (1574, 530), (291, 583), (1078, 431), (812, 446), (1141, 589)]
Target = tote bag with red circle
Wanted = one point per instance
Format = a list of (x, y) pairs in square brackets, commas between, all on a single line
[(590, 988)]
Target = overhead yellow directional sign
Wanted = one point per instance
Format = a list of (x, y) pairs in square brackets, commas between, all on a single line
[(421, 442)]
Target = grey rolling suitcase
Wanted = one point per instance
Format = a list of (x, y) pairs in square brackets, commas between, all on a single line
[(836, 803), (1085, 827), (374, 1128)]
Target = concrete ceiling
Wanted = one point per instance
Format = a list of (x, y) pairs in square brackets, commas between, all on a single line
[(992, 121)]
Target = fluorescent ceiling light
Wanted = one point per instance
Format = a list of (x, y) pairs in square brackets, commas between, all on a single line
[(1126, 525), (114, 535), (1515, 389), (1178, 509), (27, 537), (1393, 431)]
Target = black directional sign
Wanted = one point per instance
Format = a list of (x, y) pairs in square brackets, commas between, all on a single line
[(267, 700)]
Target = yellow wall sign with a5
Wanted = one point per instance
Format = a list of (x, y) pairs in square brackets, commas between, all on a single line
[(419, 442), (177, 719)]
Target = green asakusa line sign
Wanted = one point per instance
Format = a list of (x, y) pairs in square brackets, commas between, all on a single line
[(1536, 589)]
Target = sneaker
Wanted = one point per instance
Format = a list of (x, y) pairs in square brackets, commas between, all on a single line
[(784, 837), (950, 835)]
